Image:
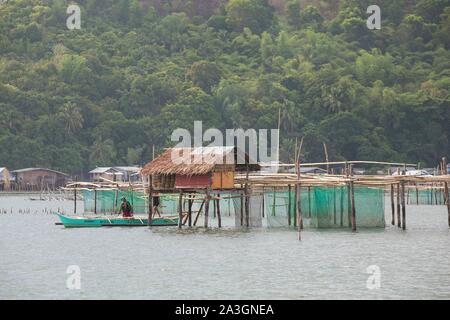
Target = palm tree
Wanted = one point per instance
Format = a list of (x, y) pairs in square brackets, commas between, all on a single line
[(71, 116)]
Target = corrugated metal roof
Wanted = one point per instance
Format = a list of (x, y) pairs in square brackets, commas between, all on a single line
[(38, 169)]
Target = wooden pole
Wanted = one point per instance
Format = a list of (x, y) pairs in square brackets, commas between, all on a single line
[(190, 203), (263, 202), (150, 201), (352, 187), (241, 209), (247, 200), (75, 196), (289, 205), (334, 206), (295, 203), (447, 196), (180, 209), (214, 208), (95, 201), (399, 220), (349, 204), (417, 194), (219, 219), (206, 208), (403, 206), (341, 189), (299, 207), (392, 205), (299, 212), (198, 213), (309, 202), (326, 156)]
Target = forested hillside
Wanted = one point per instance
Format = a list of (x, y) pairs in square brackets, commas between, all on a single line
[(136, 70)]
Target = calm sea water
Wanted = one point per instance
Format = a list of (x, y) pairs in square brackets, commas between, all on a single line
[(164, 263)]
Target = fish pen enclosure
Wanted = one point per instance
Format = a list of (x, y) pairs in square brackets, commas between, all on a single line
[(106, 201), (325, 207), (426, 195)]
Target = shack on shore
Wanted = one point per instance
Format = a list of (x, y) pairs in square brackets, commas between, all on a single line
[(35, 179)]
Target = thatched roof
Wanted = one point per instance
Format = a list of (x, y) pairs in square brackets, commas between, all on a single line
[(170, 161)]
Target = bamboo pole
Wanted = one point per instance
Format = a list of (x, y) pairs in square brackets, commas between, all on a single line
[(190, 203), (399, 220), (417, 194), (219, 218), (95, 201), (199, 211), (241, 209), (353, 206), (392, 205), (75, 197), (207, 207), (180, 209), (403, 206), (263, 202), (334, 206), (150, 201), (341, 189), (326, 156), (247, 200), (309, 202), (289, 205), (447, 196)]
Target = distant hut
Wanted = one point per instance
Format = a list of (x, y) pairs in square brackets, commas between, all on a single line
[(5, 179), (116, 174), (215, 169), (39, 178), (102, 174)]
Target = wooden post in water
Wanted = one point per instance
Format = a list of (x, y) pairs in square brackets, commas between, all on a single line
[(241, 209), (75, 196), (263, 202), (150, 201), (392, 205), (403, 207), (334, 205), (417, 194), (309, 202), (349, 204), (447, 196), (298, 211), (399, 220), (219, 218), (207, 207), (247, 200), (341, 189), (214, 208), (295, 203), (190, 203), (352, 188), (289, 205), (95, 201), (180, 209)]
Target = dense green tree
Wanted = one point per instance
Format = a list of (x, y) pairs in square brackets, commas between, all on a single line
[(137, 70), (257, 15)]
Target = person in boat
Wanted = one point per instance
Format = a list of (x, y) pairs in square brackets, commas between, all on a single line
[(126, 208)]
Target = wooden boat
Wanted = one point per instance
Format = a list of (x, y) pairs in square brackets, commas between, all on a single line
[(113, 221)]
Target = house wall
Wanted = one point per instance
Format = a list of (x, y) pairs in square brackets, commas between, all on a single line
[(195, 181), (40, 178), (4, 180), (223, 180)]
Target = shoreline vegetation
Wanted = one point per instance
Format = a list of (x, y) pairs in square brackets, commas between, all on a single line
[(72, 100)]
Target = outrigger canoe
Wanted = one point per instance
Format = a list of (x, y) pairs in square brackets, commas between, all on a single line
[(113, 221)]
